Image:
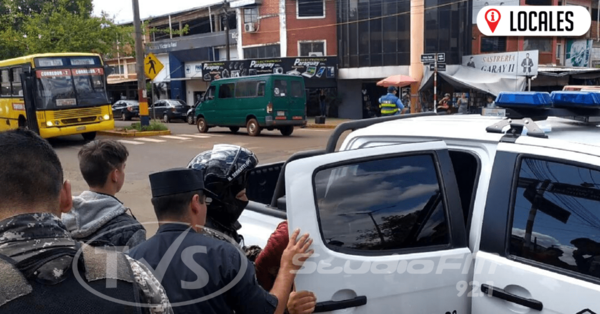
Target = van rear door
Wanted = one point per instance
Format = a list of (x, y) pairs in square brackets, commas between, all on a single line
[(289, 99)]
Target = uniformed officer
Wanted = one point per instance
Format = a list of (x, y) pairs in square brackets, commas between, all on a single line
[(390, 104), (202, 274), (38, 270)]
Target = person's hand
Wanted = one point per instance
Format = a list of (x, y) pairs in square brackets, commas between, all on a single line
[(296, 252), (302, 302)]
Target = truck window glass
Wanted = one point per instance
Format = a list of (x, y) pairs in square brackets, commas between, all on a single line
[(280, 88), (5, 83), (297, 90), (246, 89), (557, 216), (227, 90), (385, 204)]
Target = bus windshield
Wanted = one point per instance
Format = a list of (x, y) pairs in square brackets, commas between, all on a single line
[(60, 88)]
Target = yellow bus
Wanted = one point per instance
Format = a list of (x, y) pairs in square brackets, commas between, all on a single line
[(55, 94)]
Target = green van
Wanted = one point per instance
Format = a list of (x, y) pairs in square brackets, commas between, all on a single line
[(271, 101)]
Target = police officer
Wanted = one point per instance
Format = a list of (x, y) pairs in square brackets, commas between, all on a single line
[(225, 170), (42, 269), (202, 274), (390, 104)]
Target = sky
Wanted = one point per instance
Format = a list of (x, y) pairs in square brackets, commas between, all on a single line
[(122, 10)]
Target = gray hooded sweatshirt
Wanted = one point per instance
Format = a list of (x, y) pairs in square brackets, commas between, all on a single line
[(101, 220)]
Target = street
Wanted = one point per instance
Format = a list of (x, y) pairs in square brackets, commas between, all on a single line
[(150, 154)]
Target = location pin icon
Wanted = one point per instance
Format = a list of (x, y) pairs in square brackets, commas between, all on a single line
[(492, 17)]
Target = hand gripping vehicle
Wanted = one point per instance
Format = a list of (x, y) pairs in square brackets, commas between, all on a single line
[(436, 213)]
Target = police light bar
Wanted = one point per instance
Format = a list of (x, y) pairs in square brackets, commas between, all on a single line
[(524, 100), (571, 99)]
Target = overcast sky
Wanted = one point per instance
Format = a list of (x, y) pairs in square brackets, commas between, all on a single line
[(122, 10)]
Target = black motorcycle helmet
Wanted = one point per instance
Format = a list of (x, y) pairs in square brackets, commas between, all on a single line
[(225, 169)]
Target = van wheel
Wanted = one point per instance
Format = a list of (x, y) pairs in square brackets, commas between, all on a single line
[(234, 129), (201, 124), (253, 127), (190, 119), (90, 136), (166, 118), (287, 130)]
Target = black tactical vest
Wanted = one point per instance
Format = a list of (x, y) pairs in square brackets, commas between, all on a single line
[(85, 290)]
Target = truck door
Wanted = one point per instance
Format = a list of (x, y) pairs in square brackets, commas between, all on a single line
[(540, 245), (387, 227)]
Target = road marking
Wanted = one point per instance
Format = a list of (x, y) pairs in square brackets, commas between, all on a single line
[(171, 137), (153, 140), (195, 135), (131, 142)]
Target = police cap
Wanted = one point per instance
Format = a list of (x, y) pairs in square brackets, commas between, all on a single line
[(176, 181), (392, 89)]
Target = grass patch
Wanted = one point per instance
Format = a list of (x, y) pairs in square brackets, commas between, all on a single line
[(154, 126)]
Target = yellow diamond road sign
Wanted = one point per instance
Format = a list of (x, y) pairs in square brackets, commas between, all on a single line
[(152, 66)]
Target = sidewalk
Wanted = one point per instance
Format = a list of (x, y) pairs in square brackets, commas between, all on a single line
[(330, 123)]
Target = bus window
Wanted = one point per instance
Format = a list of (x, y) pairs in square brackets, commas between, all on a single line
[(5, 83), (17, 88)]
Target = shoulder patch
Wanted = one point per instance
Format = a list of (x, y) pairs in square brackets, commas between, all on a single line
[(14, 285), (101, 263)]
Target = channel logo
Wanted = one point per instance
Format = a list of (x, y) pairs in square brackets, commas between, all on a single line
[(571, 21)]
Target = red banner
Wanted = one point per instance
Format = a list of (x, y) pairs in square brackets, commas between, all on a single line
[(86, 72), (53, 73)]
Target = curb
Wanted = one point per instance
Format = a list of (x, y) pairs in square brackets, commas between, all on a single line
[(134, 133), (321, 126)]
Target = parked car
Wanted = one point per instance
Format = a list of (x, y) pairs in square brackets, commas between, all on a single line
[(480, 214), (169, 109), (271, 101), (191, 118), (126, 109)]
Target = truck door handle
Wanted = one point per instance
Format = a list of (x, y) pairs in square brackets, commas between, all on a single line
[(501, 294), (329, 306)]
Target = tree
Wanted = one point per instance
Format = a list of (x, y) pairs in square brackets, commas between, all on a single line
[(58, 26)]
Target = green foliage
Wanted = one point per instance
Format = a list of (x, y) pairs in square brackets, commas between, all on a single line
[(154, 126), (38, 26)]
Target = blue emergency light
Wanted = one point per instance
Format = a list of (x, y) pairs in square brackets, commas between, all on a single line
[(571, 99), (524, 100)]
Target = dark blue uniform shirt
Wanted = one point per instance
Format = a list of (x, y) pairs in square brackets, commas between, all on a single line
[(210, 275)]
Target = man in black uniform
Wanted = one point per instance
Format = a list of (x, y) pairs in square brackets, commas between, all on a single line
[(202, 274), (42, 269)]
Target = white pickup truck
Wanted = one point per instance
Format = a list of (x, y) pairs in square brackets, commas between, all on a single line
[(445, 214)]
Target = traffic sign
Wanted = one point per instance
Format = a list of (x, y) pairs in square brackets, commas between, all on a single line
[(152, 66), (428, 58), (441, 67), (441, 57), (432, 67)]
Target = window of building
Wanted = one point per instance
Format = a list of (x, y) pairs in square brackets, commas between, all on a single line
[(131, 68), (455, 37), (305, 48), (541, 44), (280, 88), (17, 88), (227, 90), (270, 51), (297, 90), (539, 2), (310, 8), (557, 216), (251, 15), (382, 205), (246, 89), (493, 44), (5, 83)]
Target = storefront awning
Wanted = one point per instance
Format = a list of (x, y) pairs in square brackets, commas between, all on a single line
[(464, 77), (119, 80), (575, 72)]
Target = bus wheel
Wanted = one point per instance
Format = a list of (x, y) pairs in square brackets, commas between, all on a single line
[(90, 136), (253, 127), (287, 130)]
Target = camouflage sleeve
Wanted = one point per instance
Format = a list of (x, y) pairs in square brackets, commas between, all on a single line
[(151, 291)]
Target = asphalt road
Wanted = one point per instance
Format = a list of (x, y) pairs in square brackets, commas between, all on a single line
[(147, 155)]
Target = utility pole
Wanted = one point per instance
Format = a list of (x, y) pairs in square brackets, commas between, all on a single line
[(226, 11), (139, 56), (435, 85)]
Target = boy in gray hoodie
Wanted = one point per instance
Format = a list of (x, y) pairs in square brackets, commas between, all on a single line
[(98, 217)]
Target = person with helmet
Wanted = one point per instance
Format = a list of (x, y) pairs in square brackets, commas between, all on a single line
[(390, 104), (226, 169)]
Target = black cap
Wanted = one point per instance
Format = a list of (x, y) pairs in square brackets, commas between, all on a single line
[(176, 181)]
